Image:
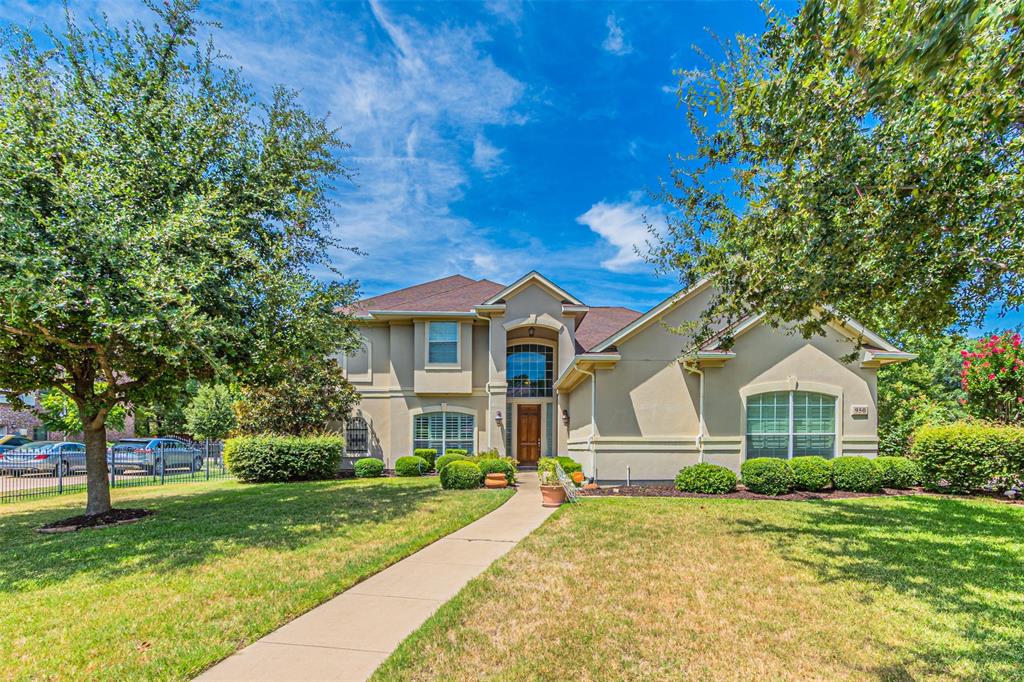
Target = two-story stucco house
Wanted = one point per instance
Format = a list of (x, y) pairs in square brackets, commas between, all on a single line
[(531, 370)]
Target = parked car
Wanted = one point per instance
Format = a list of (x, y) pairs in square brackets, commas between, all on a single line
[(149, 454), (55, 457), (11, 441)]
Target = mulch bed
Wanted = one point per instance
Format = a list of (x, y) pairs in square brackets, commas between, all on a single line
[(741, 493), (114, 517)]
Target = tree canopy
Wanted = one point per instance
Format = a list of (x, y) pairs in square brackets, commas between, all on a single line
[(158, 221), (858, 160)]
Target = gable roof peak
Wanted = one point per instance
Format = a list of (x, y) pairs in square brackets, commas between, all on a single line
[(533, 277)]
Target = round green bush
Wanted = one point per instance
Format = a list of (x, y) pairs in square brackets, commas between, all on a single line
[(811, 473), (411, 465), (456, 451), (767, 475), (266, 458), (898, 472), (429, 454), (856, 474), (569, 465), (709, 479), (369, 467), (461, 475), (445, 460), (491, 466)]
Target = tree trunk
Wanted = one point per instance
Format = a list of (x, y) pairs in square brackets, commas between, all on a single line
[(97, 474)]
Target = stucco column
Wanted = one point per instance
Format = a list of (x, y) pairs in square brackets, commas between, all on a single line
[(496, 385)]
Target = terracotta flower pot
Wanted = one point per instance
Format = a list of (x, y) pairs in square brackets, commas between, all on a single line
[(577, 477), (496, 480), (552, 495)]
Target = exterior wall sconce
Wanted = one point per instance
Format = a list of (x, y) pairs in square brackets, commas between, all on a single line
[(565, 417), (531, 331), (497, 417)]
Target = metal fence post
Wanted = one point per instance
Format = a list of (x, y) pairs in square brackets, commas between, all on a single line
[(113, 466), (60, 475), (206, 457), (163, 467)]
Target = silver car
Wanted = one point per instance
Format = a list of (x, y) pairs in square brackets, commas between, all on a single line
[(152, 454), (50, 456)]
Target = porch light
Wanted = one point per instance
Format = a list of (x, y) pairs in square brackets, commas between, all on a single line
[(497, 417), (565, 417), (531, 331)]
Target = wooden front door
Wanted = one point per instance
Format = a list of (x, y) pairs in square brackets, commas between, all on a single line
[(528, 433)]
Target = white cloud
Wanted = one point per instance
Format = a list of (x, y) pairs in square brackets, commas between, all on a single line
[(486, 157), (615, 41), (622, 226), (509, 10)]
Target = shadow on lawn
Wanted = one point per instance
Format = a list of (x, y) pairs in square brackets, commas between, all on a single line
[(961, 558), (188, 529)]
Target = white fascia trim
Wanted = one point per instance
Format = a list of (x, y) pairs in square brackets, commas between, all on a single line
[(888, 357), (862, 331), (652, 314), (533, 275), (586, 357), (482, 310)]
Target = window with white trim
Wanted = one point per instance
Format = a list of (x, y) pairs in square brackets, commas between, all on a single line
[(790, 424), (442, 343), (443, 431)]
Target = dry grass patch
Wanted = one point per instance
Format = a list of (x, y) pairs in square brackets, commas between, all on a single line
[(626, 589)]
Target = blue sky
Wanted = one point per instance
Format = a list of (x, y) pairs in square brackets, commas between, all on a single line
[(490, 138)]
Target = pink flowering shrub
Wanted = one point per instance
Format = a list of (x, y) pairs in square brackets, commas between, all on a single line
[(992, 375)]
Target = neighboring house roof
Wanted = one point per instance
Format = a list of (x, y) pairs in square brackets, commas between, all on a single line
[(600, 323), (456, 293)]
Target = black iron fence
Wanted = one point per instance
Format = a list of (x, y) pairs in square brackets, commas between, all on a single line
[(46, 469)]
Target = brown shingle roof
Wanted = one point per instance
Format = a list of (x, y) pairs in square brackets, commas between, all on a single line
[(456, 293), (600, 323)]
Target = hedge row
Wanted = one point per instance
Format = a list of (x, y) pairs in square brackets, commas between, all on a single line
[(773, 476), (267, 458), (965, 456)]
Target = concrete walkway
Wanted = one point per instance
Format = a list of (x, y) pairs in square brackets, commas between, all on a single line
[(347, 637)]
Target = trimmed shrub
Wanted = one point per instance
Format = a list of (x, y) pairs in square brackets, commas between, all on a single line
[(456, 451), (489, 466), (767, 475), (489, 454), (856, 474), (964, 456), (709, 479), (461, 475), (266, 458), (569, 465), (444, 460), (411, 465), (811, 473), (898, 472), (369, 467), (429, 454)]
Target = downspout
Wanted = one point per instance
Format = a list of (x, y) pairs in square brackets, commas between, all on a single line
[(700, 410), (593, 417)]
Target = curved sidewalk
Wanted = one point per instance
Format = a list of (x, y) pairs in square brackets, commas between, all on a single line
[(347, 637)]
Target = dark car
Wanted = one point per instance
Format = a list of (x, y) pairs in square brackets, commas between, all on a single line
[(11, 441), (50, 456), (153, 455)]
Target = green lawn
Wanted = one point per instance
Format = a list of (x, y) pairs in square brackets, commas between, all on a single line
[(912, 588), (218, 566)]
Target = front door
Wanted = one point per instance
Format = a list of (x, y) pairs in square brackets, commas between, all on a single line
[(528, 433)]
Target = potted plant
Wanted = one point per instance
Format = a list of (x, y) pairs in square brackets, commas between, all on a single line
[(551, 491)]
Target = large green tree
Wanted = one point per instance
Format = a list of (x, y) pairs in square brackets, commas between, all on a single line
[(157, 221), (861, 159)]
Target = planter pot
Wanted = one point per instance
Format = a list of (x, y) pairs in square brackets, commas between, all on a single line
[(552, 495), (577, 477), (496, 480)]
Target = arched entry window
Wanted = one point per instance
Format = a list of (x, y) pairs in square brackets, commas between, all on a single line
[(357, 436), (789, 424), (529, 369), (443, 431)]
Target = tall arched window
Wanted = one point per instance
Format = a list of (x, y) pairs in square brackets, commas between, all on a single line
[(357, 436), (789, 424), (443, 431), (529, 369)]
